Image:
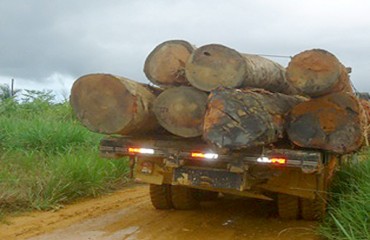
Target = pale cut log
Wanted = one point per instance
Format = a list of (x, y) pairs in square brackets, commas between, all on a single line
[(180, 110), (244, 118), (334, 122), (165, 65), (317, 72), (109, 104), (215, 65)]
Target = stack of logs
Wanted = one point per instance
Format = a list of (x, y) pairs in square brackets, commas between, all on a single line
[(232, 100)]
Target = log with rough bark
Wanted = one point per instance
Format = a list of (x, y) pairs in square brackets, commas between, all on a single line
[(335, 122), (317, 72), (215, 65), (180, 110), (165, 65), (243, 118), (113, 105)]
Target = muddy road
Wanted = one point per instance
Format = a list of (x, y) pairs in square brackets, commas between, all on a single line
[(128, 214)]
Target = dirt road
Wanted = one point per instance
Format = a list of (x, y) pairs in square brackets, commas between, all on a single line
[(128, 214)]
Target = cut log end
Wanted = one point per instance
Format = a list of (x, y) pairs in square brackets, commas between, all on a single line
[(214, 65), (181, 110), (165, 65), (112, 105), (315, 72), (334, 122)]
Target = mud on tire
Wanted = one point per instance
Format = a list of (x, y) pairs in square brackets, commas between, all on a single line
[(288, 206), (160, 196), (205, 195), (184, 198), (312, 209)]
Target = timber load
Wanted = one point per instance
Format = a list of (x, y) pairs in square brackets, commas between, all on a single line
[(109, 104), (230, 100), (243, 118)]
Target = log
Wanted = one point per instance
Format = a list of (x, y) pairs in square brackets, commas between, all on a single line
[(215, 65), (244, 118), (335, 122), (266, 74), (180, 110), (366, 106), (165, 65), (113, 105), (317, 72)]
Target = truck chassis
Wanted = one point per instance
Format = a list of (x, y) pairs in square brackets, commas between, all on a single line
[(183, 172)]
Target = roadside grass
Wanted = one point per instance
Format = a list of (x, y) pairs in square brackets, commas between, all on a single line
[(47, 158), (349, 208)]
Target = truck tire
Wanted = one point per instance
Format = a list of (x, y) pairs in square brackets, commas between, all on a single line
[(160, 196), (288, 206), (204, 195), (184, 198), (312, 210)]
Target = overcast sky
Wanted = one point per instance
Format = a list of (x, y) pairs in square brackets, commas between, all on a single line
[(47, 44)]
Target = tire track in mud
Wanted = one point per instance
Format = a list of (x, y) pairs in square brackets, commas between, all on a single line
[(128, 214)]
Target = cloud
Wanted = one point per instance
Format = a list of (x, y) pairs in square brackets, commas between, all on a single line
[(41, 39)]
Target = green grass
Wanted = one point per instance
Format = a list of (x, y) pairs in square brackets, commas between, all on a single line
[(47, 158), (349, 209)]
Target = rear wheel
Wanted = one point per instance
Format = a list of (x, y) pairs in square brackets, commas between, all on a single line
[(312, 209), (184, 198), (288, 206), (204, 195), (160, 195)]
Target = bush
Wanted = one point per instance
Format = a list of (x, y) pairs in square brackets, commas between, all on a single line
[(349, 209), (48, 158)]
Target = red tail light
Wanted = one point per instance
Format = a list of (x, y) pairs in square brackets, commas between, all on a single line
[(141, 150), (204, 155), (278, 160)]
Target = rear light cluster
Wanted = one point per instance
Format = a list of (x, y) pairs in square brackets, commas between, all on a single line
[(204, 155), (210, 156), (273, 160), (141, 150)]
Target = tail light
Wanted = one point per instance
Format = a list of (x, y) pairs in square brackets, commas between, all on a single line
[(204, 155), (272, 160), (141, 150)]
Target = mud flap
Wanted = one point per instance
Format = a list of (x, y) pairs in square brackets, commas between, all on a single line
[(217, 179)]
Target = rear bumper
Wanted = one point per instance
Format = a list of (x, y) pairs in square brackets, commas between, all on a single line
[(175, 152), (240, 173)]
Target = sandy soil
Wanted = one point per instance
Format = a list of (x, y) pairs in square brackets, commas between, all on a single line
[(128, 214)]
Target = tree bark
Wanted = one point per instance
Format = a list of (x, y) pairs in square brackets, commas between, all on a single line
[(215, 65), (243, 118), (335, 122), (114, 105), (165, 65), (181, 110), (266, 74), (317, 72)]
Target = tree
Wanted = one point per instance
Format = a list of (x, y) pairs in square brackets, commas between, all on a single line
[(6, 93)]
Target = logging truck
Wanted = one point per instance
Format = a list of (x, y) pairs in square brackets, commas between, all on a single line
[(238, 125), (182, 172)]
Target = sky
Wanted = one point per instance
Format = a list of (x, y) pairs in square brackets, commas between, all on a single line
[(49, 44)]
